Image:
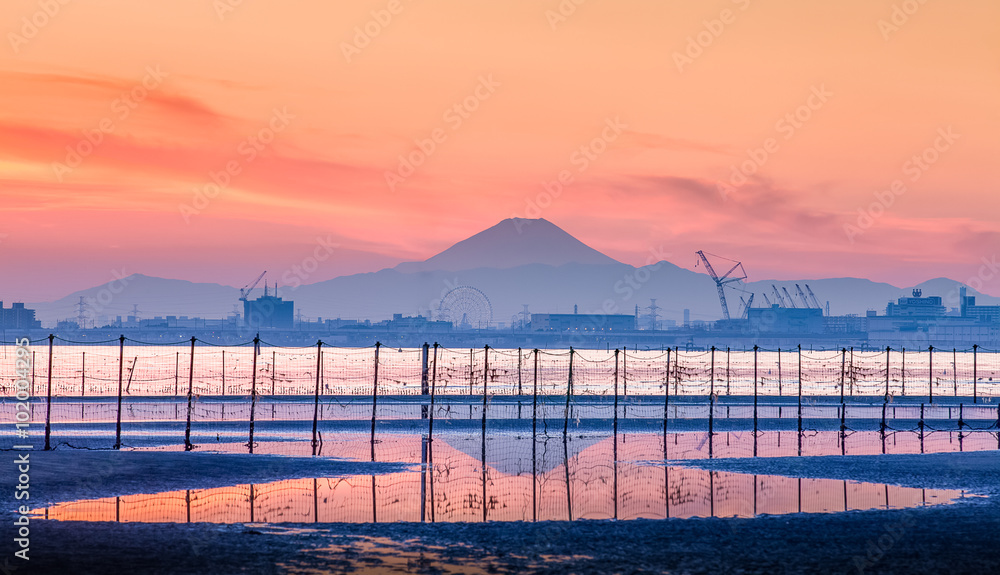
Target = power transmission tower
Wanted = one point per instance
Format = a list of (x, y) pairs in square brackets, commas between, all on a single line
[(653, 315)]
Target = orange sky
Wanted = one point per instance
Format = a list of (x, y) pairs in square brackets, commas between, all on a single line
[(338, 109)]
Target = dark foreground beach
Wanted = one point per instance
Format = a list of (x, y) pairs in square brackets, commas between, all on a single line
[(958, 538)]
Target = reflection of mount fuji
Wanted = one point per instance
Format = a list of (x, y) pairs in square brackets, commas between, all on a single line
[(511, 455), (515, 262)]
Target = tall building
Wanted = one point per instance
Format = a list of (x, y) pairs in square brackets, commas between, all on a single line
[(983, 313), (18, 317), (268, 312)]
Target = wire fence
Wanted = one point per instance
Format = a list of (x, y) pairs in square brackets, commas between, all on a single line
[(262, 396), (138, 369)]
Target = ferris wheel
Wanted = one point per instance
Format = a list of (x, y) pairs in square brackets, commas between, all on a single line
[(467, 308)]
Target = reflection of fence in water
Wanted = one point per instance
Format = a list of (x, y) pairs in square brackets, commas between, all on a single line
[(158, 370), (451, 488)]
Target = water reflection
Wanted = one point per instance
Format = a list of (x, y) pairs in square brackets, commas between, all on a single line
[(590, 478)]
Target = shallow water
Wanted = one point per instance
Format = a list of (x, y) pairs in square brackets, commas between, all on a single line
[(583, 477)]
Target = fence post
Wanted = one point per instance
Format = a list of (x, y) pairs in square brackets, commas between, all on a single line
[(851, 372), (486, 377), (625, 369), (887, 357), (843, 362), (961, 422), (519, 390), (48, 398), (83, 374), (920, 425), (424, 357), (677, 370), (177, 369), (975, 379), (187, 427), (534, 446), (274, 368), (253, 390), (430, 424), (375, 397), (843, 428), (666, 395), (755, 348), (615, 416), (902, 373), (223, 373), (885, 398), (882, 428), (930, 374), (569, 392), (779, 373), (727, 371), (800, 400), (424, 386), (534, 405), (711, 402), (954, 368), (118, 419), (319, 369)]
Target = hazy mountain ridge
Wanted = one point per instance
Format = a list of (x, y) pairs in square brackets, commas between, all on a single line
[(569, 273)]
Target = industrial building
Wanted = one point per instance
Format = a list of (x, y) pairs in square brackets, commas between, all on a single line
[(581, 322), (785, 320), (414, 324)]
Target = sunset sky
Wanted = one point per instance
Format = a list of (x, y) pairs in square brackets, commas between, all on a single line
[(310, 114)]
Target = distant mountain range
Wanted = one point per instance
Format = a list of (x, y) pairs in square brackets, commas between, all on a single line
[(516, 262)]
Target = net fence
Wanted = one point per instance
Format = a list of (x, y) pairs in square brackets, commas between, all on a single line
[(294, 400)]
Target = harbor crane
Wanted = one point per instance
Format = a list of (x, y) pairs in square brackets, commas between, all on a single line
[(789, 296), (777, 296), (802, 296), (245, 290), (812, 296), (731, 276), (746, 306)]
